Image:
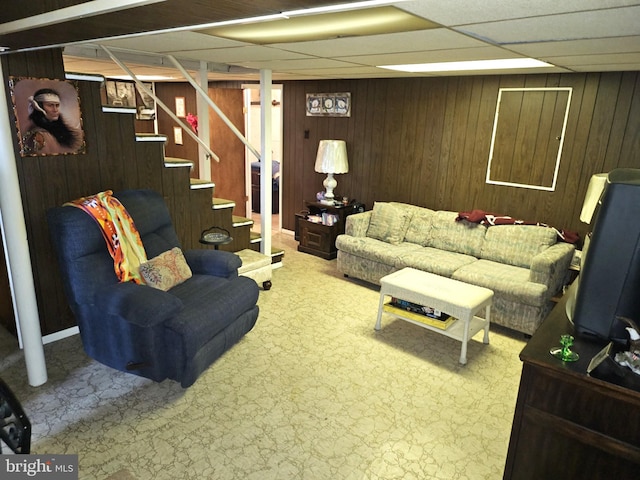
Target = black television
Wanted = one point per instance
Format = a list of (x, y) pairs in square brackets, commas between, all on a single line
[(608, 286)]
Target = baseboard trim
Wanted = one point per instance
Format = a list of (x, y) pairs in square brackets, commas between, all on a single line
[(54, 337)]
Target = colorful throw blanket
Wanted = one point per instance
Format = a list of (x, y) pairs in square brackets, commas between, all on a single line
[(488, 219), (119, 232)]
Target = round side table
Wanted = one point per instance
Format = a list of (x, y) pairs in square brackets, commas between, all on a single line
[(215, 236)]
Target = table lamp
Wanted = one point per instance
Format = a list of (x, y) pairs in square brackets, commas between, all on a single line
[(592, 197), (331, 158)]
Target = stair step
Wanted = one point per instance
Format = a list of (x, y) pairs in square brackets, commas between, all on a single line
[(276, 257), (219, 203), (177, 162), (197, 183), (112, 109), (150, 137), (255, 237), (241, 221)]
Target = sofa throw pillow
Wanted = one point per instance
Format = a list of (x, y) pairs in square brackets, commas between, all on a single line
[(388, 223), (460, 237), (419, 229), (517, 244), (166, 270)]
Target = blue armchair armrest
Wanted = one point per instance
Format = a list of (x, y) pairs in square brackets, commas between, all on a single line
[(213, 262), (141, 305)]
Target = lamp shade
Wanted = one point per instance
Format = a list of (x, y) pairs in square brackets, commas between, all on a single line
[(332, 157), (592, 197)]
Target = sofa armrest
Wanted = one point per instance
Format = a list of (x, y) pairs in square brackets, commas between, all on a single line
[(550, 267), (213, 262), (141, 305), (357, 224)]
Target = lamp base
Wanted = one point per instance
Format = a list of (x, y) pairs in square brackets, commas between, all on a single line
[(329, 184)]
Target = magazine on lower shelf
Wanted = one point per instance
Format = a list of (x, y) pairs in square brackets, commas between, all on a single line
[(419, 313)]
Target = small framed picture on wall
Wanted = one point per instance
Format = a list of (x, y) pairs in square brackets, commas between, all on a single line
[(181, 110), (177, 135), (329, 104)]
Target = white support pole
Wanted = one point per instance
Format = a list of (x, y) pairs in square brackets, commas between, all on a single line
[(204, 160), (14, 233), (266, 172)]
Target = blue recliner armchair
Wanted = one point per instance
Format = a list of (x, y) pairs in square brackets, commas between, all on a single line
[(175, 334)]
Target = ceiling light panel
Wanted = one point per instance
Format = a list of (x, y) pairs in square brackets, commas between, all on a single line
[(477, 65), (370, 21)]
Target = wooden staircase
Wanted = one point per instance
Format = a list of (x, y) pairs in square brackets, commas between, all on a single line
[(240, 228)]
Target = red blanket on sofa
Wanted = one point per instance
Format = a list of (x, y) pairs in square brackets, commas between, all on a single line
[(488, 219)]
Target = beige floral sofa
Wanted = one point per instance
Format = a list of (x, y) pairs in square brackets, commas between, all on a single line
[(524, 265)]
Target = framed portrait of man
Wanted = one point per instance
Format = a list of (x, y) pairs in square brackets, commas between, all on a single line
[(48, 116)]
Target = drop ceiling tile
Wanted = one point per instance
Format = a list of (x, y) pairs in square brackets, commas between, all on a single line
[(168, 42), (289, 65), (613, 67), (343, 73), (239, 54), (461, 54), (463, 12), (510, 71), (572, 26), (605, 59), (392, 43), (579, 47)]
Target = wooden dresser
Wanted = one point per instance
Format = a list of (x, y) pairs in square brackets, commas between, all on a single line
[(568, 424)]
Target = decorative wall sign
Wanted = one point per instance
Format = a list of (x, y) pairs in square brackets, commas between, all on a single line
[(47, 115), (329, 104)]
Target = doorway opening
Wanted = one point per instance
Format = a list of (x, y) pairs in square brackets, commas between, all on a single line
[(253, 128)]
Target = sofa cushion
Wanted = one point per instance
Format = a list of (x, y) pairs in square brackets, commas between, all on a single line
[(435, 261), (507, 281), (516, 244), (419, 226), (373, 249), (388, 223), (462, 237)]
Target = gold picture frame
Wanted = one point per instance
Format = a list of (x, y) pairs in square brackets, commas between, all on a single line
[(48, 118)]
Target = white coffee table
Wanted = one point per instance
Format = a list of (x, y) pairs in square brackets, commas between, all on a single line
[(458, 299)]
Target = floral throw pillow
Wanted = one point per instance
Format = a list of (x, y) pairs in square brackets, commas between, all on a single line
[(166, 270), (388, 223)]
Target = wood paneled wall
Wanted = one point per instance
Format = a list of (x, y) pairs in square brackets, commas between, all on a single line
[(426, 141), (167, 92), (114, 160), (421, 140)]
